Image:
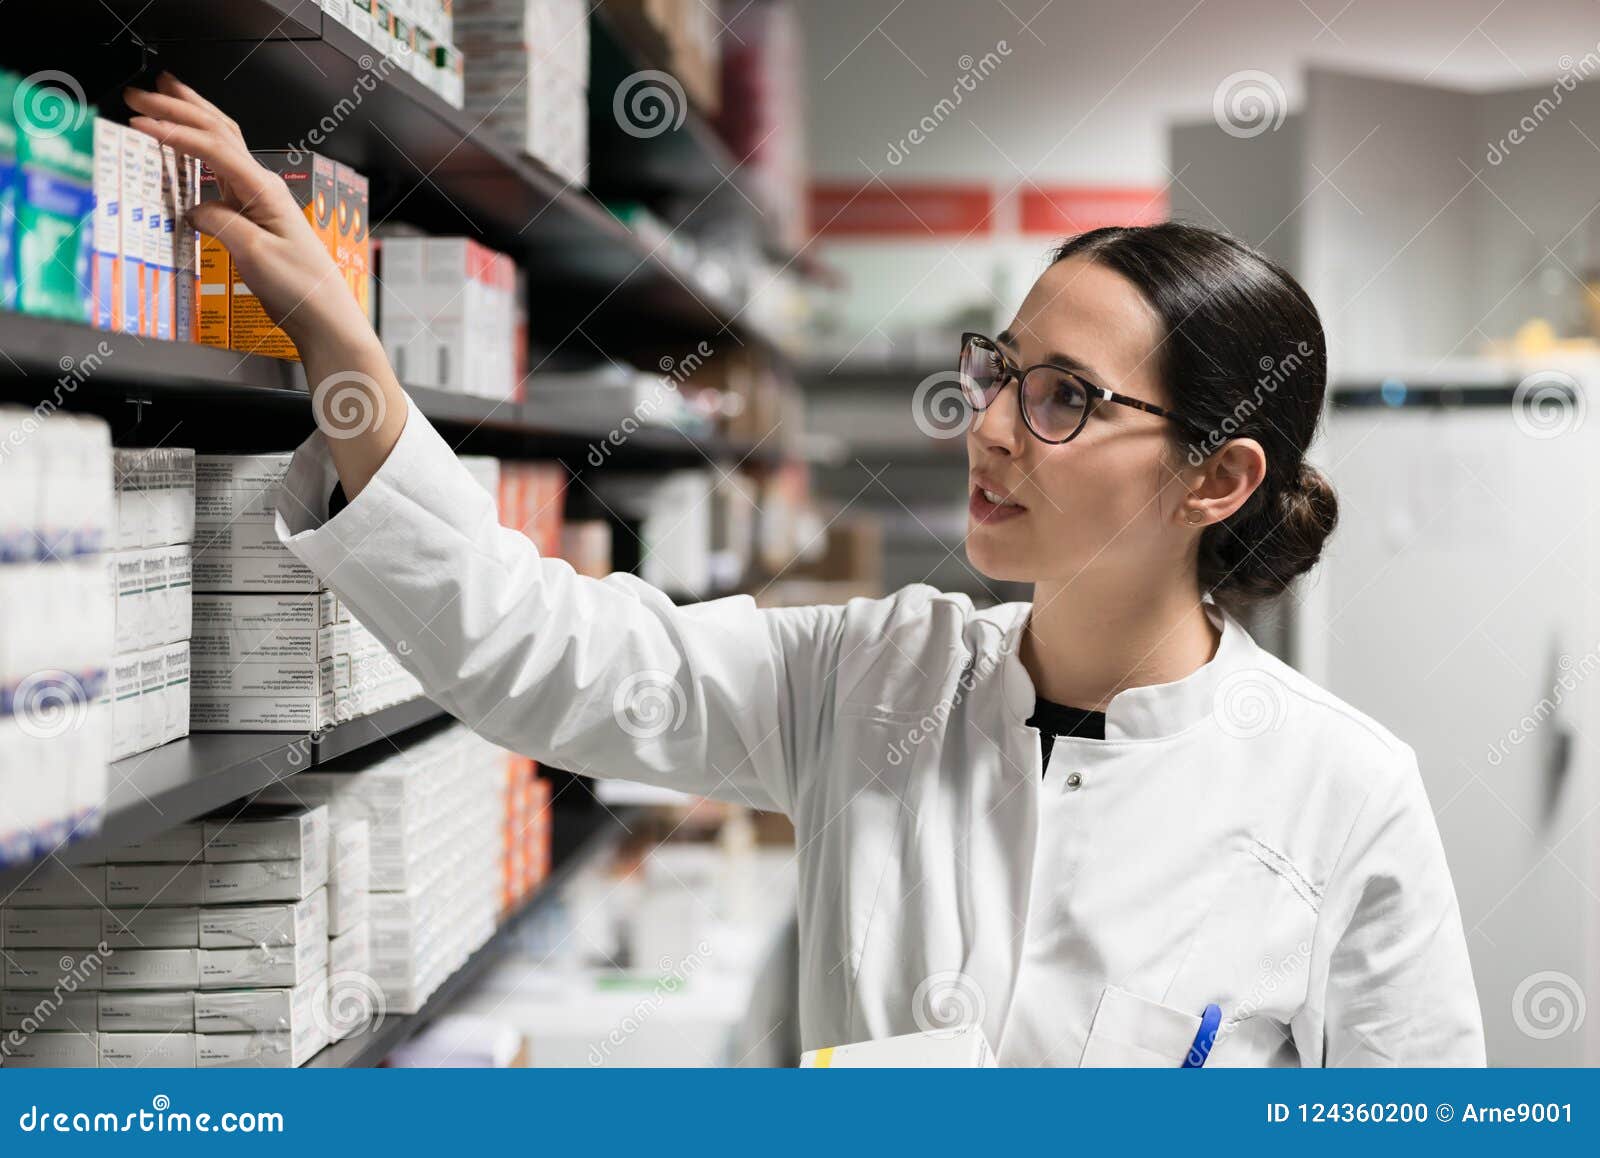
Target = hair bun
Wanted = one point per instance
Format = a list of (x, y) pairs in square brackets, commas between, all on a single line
[(1259, 552)]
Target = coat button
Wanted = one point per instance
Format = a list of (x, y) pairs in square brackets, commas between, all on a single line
[(1075, 780)]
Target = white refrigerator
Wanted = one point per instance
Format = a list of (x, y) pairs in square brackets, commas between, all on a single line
[(1457, 605)]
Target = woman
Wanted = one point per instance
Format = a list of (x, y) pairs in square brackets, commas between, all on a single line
[(1079, 823)]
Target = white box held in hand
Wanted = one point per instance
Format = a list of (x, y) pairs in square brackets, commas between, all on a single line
[(963, 1048)]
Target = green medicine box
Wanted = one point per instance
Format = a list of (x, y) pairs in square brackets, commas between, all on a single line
[(54, 202)]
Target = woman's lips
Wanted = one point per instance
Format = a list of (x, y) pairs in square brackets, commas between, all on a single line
[(984, 511)]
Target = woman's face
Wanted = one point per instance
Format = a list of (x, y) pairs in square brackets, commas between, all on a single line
[(1104, 503)]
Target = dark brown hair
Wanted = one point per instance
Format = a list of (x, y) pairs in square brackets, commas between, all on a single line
[(1243, 356)]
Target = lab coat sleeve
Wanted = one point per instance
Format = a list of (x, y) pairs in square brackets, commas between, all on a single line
[(605, 678), (1400, 989)]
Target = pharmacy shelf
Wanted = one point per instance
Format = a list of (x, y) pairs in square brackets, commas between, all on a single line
[(188, 778), (193, 395), (578, 835), (296, 79)]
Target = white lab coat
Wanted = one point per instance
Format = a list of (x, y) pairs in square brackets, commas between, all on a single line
[(1240, 836)]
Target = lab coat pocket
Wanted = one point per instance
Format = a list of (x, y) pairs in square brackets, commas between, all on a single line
[(1133, 1031)]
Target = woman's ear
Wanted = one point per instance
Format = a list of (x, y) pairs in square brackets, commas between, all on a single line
[(1221, 485)]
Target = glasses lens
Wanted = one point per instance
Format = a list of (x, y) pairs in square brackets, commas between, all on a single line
[(981, 371), (1055, 402)]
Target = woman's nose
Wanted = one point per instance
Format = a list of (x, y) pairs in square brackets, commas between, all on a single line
[(999, 425)]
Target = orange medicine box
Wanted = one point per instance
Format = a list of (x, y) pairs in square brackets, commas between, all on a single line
[(216, 274), (354, 247), (312, 182)]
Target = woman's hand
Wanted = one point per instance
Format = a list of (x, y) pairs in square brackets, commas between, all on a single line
[(355, 399), (278, 254)]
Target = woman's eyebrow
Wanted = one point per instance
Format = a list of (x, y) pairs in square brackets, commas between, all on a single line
[(1056, 358)]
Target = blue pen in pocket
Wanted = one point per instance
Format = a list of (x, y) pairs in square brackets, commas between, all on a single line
[(1204, 1038)]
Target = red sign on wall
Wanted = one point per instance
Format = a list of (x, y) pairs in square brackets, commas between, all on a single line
[(1062, 210), (907, 211)]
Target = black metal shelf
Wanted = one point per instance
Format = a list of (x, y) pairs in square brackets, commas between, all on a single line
[(216, 399), (577, 834), (177, 782), (297, 79)]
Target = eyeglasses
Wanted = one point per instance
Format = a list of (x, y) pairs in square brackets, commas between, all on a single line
[(1055, 401)]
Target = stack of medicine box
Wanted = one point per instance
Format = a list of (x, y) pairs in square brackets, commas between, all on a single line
[(527, 831), (448, 311), (528, 77), (46, 199), (272, 650), (55, 629), (205, 945), (146, 258), (151, 589), (414, 34), (436, 812)]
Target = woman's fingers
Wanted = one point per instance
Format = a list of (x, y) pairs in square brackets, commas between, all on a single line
[(166, 108), (222, 154), (226, 224), (173, 87)]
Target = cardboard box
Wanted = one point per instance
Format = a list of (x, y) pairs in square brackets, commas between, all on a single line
[(245, 926), (964, 1048), (152, 969), (268, 1050), (263, 967), (244, 882), (9, 82), (256, 1010), (216, 275), (50, 928), (151, 927), (160, 1012), (144, 885), (131, 239), (153, 231), (33, 1011), (147, 1051), (62, 886), (353, 245), (351, 953), (108, 224), (78, 970), (265, 832), (312, 183), (78, 1051), (55, 206)]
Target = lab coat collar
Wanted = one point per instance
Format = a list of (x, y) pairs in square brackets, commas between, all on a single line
[(1159, 710)]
